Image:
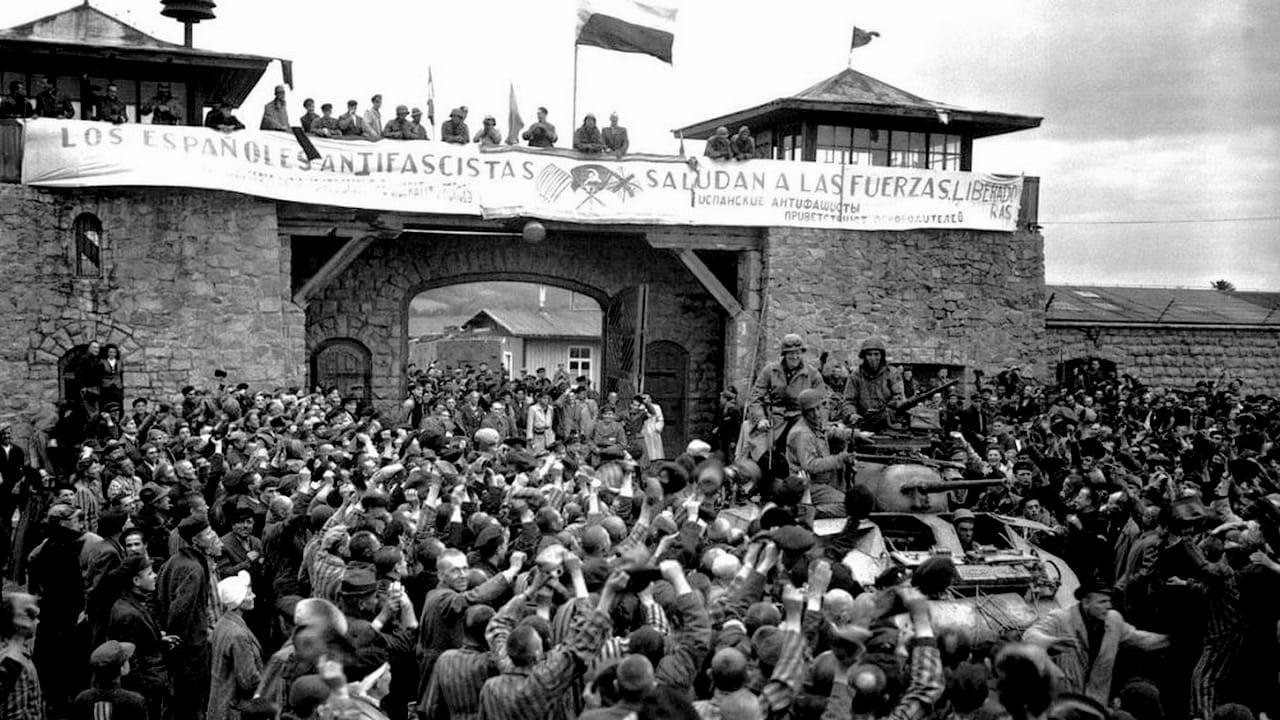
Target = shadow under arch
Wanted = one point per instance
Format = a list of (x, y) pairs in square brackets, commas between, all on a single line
[(597, 294)]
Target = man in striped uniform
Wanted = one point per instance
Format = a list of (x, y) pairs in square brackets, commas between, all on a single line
[(461, 673)]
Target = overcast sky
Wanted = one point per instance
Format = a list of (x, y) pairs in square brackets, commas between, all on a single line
[(1163, 110)]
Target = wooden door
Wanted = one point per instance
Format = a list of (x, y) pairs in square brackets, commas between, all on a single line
[(666, 378), (345, 364)]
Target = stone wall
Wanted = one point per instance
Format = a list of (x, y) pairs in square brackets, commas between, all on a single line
[(191, 281), (1176, 357), (369, 301), (949, 297)]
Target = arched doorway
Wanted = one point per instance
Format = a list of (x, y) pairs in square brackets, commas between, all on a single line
[(345, 364), (666, 379), (68, 373)]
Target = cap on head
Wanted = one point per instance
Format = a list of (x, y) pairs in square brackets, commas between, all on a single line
[(963, 515), (792, 341), (811, 399), (111, 653)]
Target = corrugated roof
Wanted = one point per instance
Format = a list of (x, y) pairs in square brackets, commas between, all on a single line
[(1268, 300), (541, 323), (1101, 304)]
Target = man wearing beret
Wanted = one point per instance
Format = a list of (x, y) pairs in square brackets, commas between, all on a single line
[(187, 606)]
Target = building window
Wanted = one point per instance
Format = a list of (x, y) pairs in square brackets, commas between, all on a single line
[(870, 147), (907, 149), (579, 360), (87, 230), (944, 151), (790, 144), (834, 144)]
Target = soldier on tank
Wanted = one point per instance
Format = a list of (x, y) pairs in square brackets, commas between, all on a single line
[(774, 403), (743, 146), (874, 390), (809, 453)]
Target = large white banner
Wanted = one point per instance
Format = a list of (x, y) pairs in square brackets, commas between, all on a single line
[(430, 177)]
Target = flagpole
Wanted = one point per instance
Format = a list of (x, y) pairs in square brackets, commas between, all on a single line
[(573, 117)]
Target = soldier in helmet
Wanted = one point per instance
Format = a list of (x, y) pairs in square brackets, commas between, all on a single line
[(774, 403), (809, 453), (874, 390)]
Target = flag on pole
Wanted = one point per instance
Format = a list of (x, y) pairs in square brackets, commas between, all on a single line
[(431, 98), (862, 37), (514, 122), (627, 26)]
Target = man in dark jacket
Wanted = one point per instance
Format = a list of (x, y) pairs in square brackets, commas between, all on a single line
[(54, 575), (101, 558), (131, 621), (186, 607)]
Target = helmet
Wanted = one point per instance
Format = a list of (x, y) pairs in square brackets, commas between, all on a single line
[(792, 341), (871, 343), (962, 515), (811, 398)]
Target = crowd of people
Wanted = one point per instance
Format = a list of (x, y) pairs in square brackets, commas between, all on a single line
[(500, 547), (163, 109)]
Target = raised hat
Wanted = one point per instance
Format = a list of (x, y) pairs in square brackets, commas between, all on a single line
[(111, 652), (62, 511)]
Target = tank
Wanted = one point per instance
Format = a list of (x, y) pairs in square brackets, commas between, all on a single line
[(1002, 584)]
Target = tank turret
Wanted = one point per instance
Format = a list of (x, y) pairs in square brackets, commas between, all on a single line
[(912, 488)]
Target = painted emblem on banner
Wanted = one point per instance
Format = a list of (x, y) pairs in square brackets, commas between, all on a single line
[(596, 182)]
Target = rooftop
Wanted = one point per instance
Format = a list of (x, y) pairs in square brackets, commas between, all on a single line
[(1095, 304), (68, 42), (853, 93), (543, 323)]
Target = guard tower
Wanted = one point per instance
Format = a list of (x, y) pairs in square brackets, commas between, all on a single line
[(854, 119), (82, 49)]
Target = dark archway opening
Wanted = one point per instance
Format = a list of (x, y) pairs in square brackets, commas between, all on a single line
[(1075, 372), (70, 371)]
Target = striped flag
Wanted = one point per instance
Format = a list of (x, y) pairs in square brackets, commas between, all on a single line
[(514, 122), (627, 26)]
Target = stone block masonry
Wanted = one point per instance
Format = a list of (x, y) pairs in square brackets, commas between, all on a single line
[(1177, 357), (948, 297), (190, 281)]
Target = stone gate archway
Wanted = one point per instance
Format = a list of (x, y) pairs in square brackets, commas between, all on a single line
[(369, 300)]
